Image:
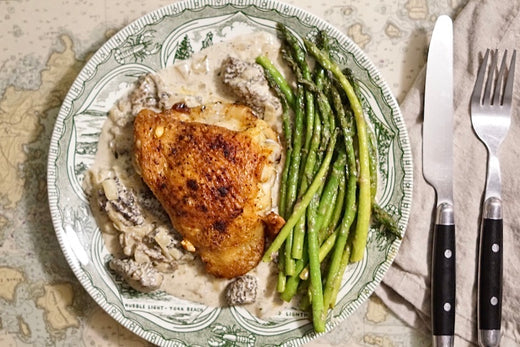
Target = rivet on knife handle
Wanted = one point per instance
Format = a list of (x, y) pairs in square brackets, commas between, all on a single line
[(443, 276), (490, 274)]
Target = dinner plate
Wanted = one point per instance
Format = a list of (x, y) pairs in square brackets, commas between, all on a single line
[(149, 44)]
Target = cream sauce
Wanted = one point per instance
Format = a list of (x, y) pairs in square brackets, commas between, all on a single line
[(196, 81)]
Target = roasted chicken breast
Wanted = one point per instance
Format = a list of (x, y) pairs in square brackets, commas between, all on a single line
[(212, 168)]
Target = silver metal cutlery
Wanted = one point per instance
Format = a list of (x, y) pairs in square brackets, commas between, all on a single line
[(491, 117), (438, 171)]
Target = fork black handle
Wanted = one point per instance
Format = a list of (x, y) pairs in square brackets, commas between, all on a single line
[(443, 277), (490, 274)]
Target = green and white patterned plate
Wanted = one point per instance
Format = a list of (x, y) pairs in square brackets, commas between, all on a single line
[(149, 44)]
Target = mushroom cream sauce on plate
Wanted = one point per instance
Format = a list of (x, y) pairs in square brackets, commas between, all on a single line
[(178, 302)]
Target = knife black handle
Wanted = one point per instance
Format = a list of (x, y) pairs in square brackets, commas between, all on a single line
[(490, 274), (443, 275)]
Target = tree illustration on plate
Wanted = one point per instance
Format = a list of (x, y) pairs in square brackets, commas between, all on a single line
[(185, 50)]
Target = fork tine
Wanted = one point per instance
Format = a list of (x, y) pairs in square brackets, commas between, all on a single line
[(497, 97), (508, 91), (488, 91), (476, 97)]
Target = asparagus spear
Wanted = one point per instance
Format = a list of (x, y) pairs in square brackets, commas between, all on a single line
[(381, 218), (293, 176), (286, 127), (318, 311), (344, 114), (372, 161), (315, 221), (282, 278), (336, 268), (308, 175), (285, 264), (277, 76), (310, 167)]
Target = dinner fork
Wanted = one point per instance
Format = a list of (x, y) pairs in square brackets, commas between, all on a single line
[(491, 117)]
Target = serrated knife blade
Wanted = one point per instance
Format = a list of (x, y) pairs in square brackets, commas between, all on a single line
[(438, 172)]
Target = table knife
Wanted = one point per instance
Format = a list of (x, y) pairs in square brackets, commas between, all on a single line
[(438, 171)]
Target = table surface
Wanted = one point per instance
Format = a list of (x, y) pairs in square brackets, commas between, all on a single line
[(43, 45)]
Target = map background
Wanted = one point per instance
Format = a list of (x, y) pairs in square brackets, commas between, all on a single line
[(43, 45)]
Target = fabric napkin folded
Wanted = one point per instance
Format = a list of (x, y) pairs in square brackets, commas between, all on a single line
[(406, 286)]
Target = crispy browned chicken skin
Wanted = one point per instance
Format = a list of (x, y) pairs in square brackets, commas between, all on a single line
[(209, 179)]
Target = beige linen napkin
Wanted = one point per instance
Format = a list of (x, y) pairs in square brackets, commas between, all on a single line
[(406, 286)]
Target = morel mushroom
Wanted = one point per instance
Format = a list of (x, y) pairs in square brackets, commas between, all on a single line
[(241, 291), (141, 277)]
